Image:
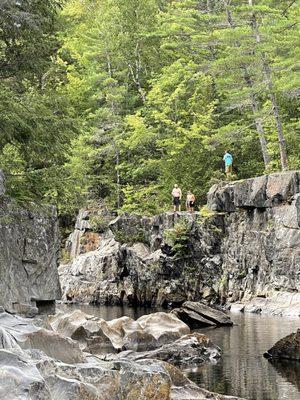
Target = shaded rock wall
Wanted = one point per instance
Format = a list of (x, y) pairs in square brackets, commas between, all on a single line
[(145, 270), (29, 250), (261, 246), (246, 250)]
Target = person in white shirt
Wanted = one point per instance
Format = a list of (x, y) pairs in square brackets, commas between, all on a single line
[(176, 193)]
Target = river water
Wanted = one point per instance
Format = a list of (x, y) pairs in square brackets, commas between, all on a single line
[(242, 370)]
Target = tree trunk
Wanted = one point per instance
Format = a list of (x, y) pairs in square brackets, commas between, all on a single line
[(254, 104), (258, 120), (276, 112)]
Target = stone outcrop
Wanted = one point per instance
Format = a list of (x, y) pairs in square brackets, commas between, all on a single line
[(29, 251), (91, 222), (146, 270), (36, 372), (244, 248), (287, 348), (261, 253), (159, 335), (199, 315)]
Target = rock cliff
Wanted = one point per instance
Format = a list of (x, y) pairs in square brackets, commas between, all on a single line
[(243, 247), (29, 250)]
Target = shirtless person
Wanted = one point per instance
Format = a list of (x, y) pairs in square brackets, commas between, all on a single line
[(190, 202), (176, 193)]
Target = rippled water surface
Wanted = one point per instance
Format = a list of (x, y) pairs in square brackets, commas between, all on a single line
[(242, 370)]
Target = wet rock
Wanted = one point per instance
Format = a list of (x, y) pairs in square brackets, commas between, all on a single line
[(198, 315), (287, 348), (54, 345), (98, 336), (191, 318), (30, 373)]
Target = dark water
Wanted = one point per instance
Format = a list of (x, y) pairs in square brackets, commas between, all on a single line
[(242, 370)]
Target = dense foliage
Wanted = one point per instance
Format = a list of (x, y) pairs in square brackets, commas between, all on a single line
[(119, 100)]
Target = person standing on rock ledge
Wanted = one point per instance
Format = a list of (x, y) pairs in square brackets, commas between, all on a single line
[(190, 202), (228, 159), (176, 193)]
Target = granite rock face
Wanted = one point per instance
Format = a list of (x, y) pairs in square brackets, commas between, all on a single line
[(246, 250), (29, 252), (134, 263)]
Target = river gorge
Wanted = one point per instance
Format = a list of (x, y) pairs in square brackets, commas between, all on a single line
[(174, 306)]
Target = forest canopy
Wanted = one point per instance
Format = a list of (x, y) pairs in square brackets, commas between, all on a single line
[(118, 100)]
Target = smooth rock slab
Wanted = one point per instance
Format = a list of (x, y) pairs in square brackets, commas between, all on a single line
[(198, 315), (164, 325)]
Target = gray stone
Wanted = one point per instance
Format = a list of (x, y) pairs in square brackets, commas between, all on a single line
[(31, 374), (198, 315), (247, 251), (192, 319), (29, 251), (282, 186), (287, 348), (189, 350), (251, 192), (221, 197)]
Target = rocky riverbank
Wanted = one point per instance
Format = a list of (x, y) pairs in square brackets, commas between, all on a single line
[(241, 250), (38, 363)]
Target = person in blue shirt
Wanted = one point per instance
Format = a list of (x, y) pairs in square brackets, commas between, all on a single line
[(228, 159)]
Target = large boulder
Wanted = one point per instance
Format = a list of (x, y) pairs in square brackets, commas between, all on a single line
[(287, 348), (281, 187), (165, 327), (251, 192), (17, 333), (199, 315), (20, 378), (98, 336)]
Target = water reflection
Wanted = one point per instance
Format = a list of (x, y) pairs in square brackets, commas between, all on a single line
[(290, 370), (108, 312), (243, 371)]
